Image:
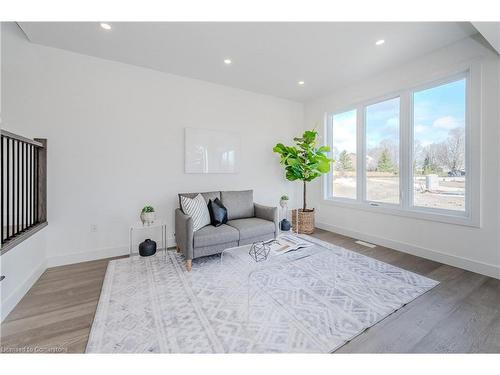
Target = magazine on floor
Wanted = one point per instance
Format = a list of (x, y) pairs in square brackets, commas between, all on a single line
[(285, 243)]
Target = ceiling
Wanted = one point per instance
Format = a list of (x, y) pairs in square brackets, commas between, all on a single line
[(491, 33), (268, 58)]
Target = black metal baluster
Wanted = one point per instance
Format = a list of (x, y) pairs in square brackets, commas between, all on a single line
[(21, 191), (30, 196), (28, 187), (7, 186), (21, 161), (18, 185), (36, 184), (1, 192), (35, 174), (25, 186)]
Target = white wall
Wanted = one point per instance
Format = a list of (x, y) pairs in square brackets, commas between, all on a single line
[(116, 141), (21, 268), (476, 249)]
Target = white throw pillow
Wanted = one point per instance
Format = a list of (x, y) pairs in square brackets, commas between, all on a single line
[(198, 210)]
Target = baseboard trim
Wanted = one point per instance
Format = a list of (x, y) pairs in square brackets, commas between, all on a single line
[(87, 256), (452, 260), (17, 295)]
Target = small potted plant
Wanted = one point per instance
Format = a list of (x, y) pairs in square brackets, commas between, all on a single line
[(148, 215), (284, 201)]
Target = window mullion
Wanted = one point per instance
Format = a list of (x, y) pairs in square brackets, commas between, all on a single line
[(361, 151), (406, 150), (328, 180)]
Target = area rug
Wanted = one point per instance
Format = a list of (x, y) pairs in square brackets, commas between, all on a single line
[(314, 304)]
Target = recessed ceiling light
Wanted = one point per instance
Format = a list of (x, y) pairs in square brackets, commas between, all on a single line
[(301, 83), (380, 42), (228, 61), (105, 26)]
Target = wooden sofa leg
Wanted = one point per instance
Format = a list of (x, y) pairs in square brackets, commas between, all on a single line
[(189, 264), (178, 249)]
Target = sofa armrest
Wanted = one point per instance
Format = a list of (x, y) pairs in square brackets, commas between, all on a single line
[(268, 213), (184, 233)]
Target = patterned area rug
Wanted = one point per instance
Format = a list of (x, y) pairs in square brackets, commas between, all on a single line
[(313, 304)]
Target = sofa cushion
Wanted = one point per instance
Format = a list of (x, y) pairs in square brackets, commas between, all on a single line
[(207, 195), (252, 227), (209, 235), (239, 204)]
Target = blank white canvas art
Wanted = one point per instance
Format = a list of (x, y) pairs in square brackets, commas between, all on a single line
[(211, 151)]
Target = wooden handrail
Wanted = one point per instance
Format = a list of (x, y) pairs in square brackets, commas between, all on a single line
[(10, 135)]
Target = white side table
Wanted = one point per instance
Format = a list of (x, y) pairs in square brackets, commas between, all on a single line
[(158, 225)]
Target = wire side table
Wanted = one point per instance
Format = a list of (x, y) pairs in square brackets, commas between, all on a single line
[(291, 215), (139, 226)]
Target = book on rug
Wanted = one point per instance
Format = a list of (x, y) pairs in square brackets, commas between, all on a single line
[(286, 243)]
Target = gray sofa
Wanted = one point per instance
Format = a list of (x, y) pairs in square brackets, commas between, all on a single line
[(247, 222)]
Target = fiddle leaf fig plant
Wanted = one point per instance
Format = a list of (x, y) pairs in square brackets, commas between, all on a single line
[(304, 161)]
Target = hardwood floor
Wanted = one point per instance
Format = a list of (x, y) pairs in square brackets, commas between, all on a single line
[(57, 312), (460, 315)]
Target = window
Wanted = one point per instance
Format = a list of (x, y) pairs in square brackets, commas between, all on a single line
[(439, 172), (382, 151), (343, 139), (409, 154)]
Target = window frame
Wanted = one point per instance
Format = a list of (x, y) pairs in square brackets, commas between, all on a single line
[(365, 151), (406, 208), (328, 179)]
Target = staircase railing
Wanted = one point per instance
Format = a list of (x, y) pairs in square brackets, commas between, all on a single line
[(23, 193)]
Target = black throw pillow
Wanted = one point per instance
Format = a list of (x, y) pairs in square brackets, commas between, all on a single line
[(217, 211)]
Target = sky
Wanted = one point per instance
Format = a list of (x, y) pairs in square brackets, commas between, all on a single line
[(436, 111), (382, 122), (344, 131), (439, 110)]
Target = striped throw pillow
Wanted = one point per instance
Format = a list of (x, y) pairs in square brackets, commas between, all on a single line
[(197, 209)]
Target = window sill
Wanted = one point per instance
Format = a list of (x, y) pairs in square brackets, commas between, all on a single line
[(412, 213), (22, 237)]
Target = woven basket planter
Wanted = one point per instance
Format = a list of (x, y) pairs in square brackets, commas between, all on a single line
[(305, 221)]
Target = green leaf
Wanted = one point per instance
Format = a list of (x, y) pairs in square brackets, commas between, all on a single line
[(280, 148), (310, 136), (291, 176), (324, 167)]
